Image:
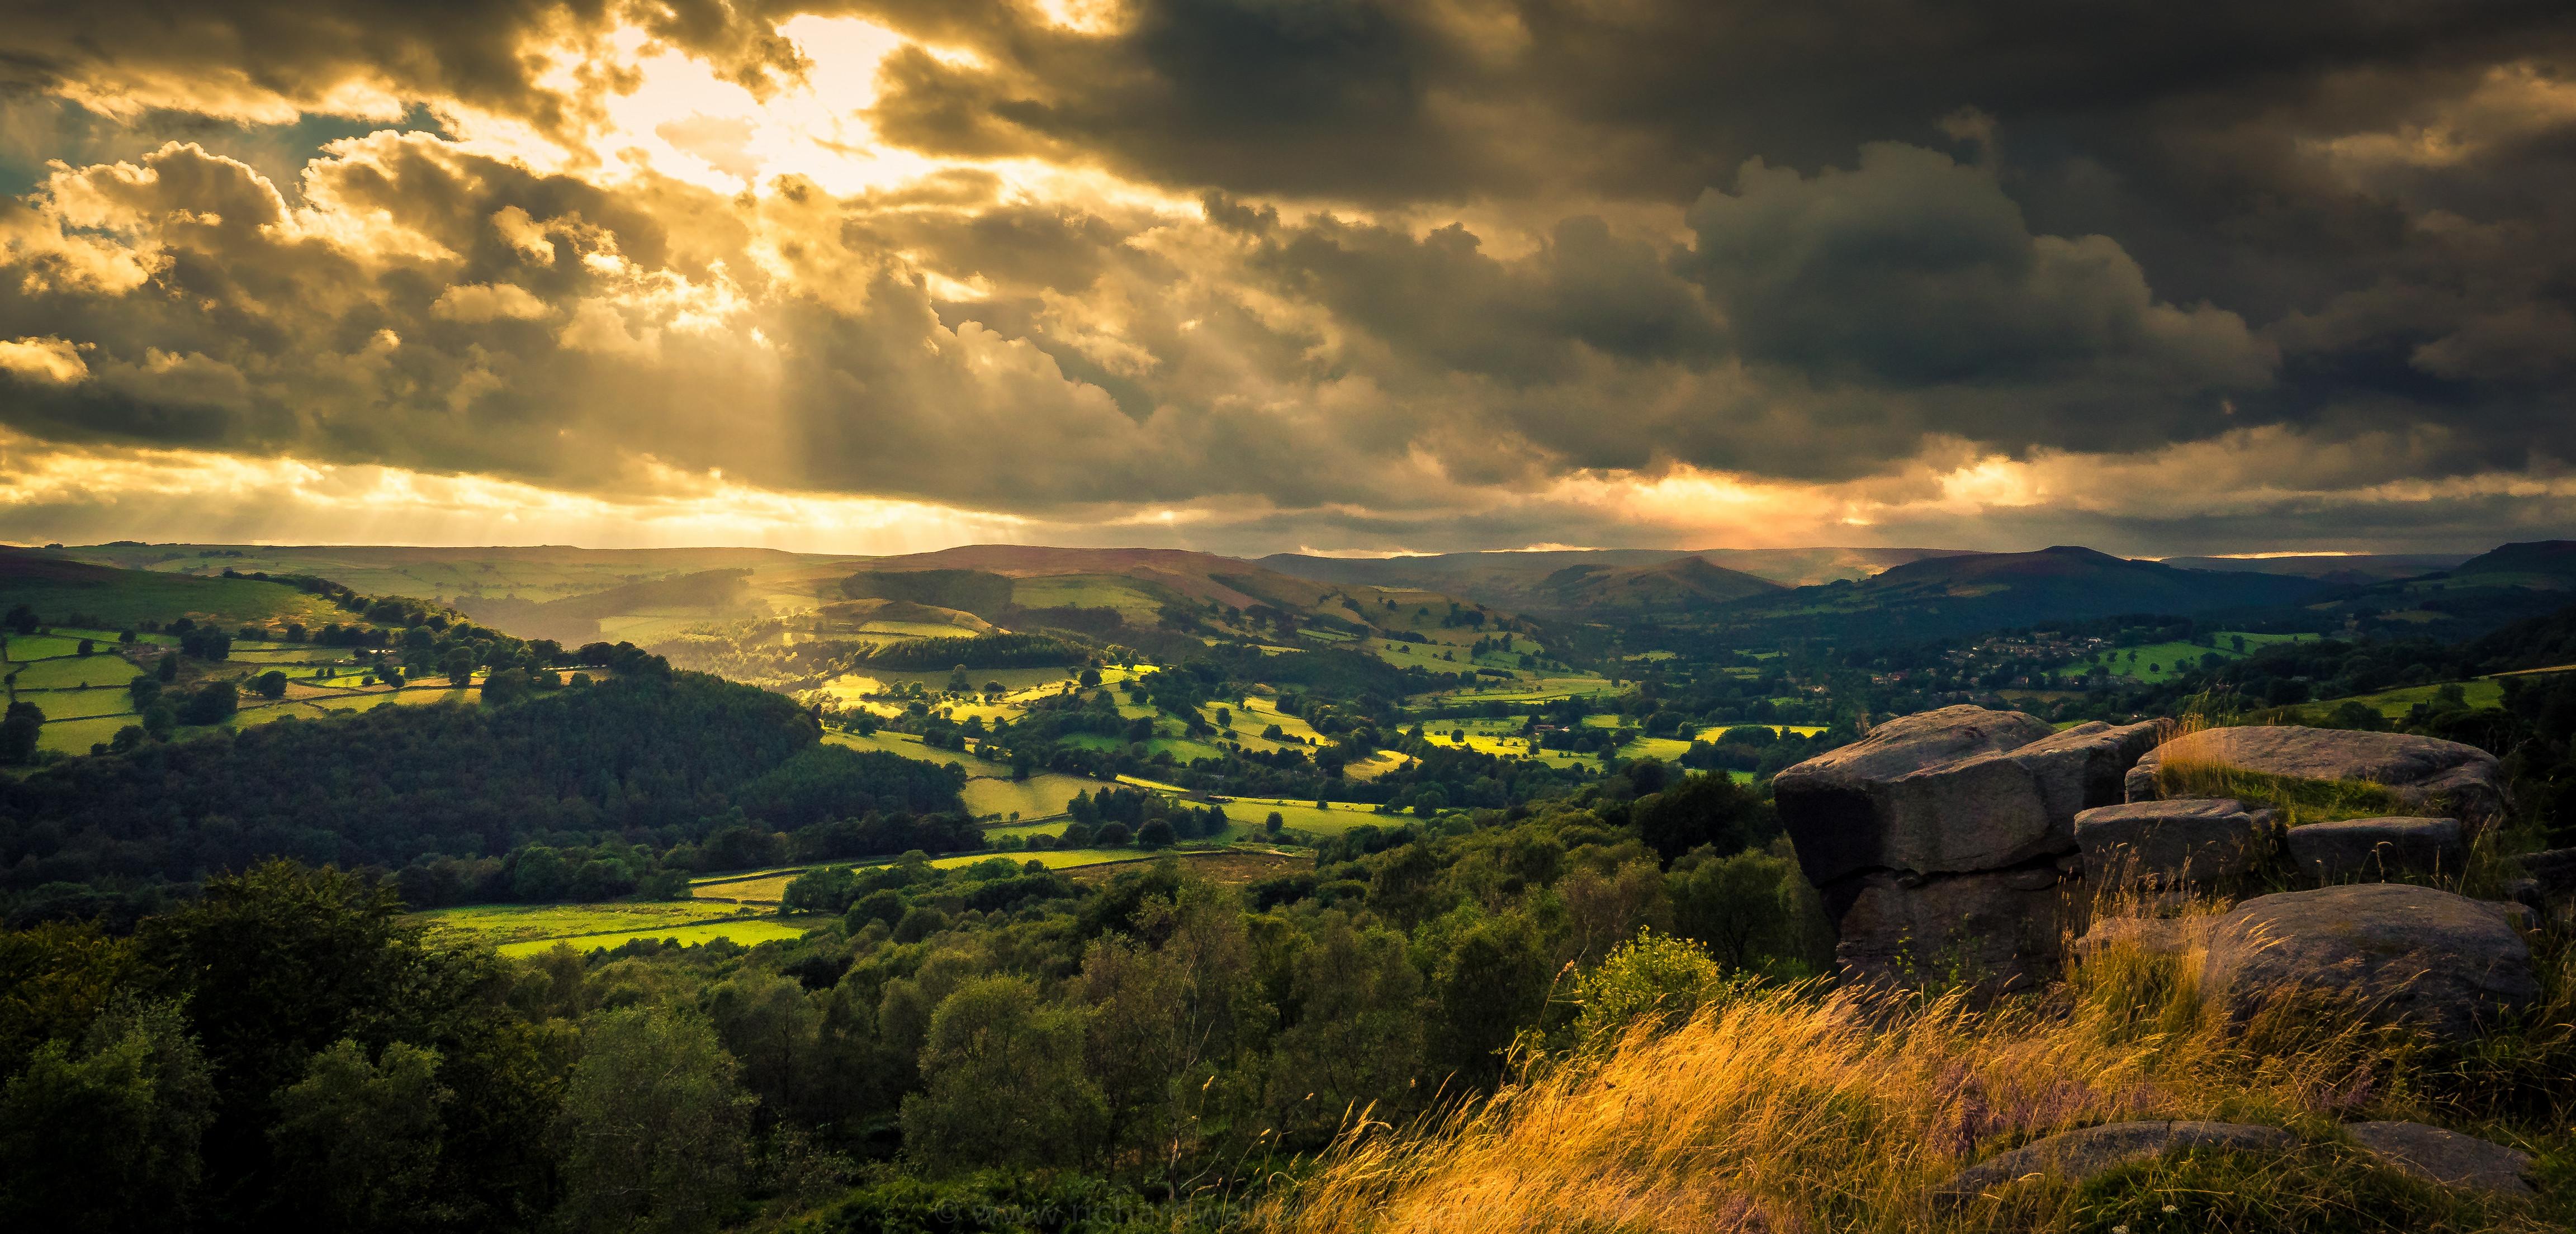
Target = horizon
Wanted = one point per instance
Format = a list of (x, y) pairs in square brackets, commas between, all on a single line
[(1254, 556)]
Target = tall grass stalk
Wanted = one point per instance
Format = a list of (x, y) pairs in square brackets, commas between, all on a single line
[(1804, 1109)]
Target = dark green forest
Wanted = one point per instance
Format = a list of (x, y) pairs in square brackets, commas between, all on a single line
[(282, 1053)]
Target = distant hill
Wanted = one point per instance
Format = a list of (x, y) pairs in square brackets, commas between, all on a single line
[(2349, 569), (1948, 596), (533, 572), (1520, 581), (2546, 641), (2492, 590), (1670, 588), (1125, 594), (2539, 565), (575, 619), (66, 591)]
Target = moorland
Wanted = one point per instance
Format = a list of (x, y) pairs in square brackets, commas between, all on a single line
[(1010, 887)]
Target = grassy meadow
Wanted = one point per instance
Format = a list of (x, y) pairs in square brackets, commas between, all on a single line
[(526, 929), (2156, 663)]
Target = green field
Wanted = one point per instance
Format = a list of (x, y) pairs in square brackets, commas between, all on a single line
[(77, 736), (1247, 815), (1804, 730), (749, 931), (25, 647), (1040, 796), (508, 923), (2395, 704), (78, 704), (74, 672), (138, 596), (2161, 662)]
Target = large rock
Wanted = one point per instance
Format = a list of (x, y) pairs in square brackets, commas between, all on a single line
[(2079, 1155), (1998, 930), (2373, 849), (2446, 1158), (1950, 791), (2423, 772), (2404, 954), (2166, 843)]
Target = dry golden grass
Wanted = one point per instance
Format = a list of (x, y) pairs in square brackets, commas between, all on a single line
[(1800, 1109)]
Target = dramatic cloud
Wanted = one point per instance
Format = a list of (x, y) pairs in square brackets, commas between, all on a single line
[(1325, 274)]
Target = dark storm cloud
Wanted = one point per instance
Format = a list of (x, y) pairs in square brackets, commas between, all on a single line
[(251, 57), (1449, 249)]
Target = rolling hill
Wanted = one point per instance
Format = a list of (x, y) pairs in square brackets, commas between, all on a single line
[(1948, 596), (1520, 581), (1674, 588), (1121, 593), (70, 592), (2511, 583), (2344, 569)]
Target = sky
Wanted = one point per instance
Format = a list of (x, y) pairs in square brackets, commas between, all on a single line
[(1341, 276)]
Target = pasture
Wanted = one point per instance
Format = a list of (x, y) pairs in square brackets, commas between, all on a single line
[(1038, 797), (1247, 815), (78, 704), (2477, 692), (74, 672), (748, 931), (2161, 662), (77, 736), (1712, 732), (134, 597), (527, 929)]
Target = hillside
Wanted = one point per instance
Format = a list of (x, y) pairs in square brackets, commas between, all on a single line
[(705, 594), (2341, 569), (1946, 596), (533, 572), (1517, 580), (1125, 594), (2513, 582), (1674, 588), (61, 589)]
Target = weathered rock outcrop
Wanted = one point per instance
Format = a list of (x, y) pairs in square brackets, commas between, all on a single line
[(2423, 772), (2446, 1158), (1837, 805), (2401, 954), (1937, 840), (1997, 929), (2376, 849), (2081, 1154), (2164, 843)]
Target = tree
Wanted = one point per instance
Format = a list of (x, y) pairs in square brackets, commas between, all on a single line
[(1355, 1031), (652, 1125), (1156, 833), (1492, 979), (1170, 1001), (1003, 1083), (271, 684), (458, 665), (1709, 809), (358, 1142), (166, 668), (105, 1135), (211, 703), (1737, 906), (86, 649), (771, 1028), (20, 729)]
